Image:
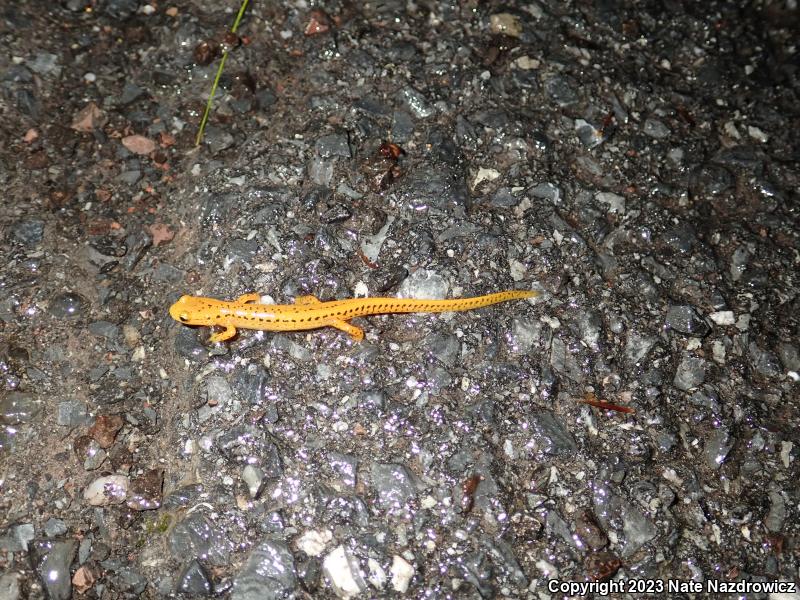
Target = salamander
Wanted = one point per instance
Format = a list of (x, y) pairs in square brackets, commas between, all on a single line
[(247, 312)]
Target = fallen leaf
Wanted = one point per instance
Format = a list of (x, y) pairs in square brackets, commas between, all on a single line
[(89, 118), (138, 144), (161, 233), (167, 139)]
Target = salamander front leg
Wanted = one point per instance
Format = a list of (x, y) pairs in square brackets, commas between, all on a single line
[(354, 332), (306, 300), (252, 297), (223, 335)]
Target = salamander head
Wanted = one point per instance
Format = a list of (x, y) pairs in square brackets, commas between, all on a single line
[(191, 310)]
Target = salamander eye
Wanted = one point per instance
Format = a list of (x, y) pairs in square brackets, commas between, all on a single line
[(183, 318)]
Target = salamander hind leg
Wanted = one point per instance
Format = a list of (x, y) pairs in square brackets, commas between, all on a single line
[(356, 333), (252, 297), (306, 300), (223, 335)]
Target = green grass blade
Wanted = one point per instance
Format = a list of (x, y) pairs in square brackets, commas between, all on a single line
[(214, 85)]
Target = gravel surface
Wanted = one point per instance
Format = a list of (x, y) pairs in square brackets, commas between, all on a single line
[(636, 424)]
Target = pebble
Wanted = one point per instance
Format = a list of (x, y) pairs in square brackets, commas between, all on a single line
[(415, 103), (341, 569), (402, 573), (313, 542), (253, 478), (685, 319), (333, 145), (393, 485), (656, 129), (723, 317), (111, 489), (423, 284), (551, 436), (68, 305), (196, 536), (145, 490), (51, 560), (716, 447), (28, 231), (691, 372), (194, 580), (615, 202), (268, 574), (17, 408)]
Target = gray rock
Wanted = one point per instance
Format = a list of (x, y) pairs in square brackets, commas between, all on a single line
[(776, 517), (51, 560), (9, 586), (194, 580), (328, 146), (394, 486), (764, 362), (54, 527), (685, 319), (691, 372), (637, 346), (199, 537), (415, 103), (17, 408), (551, 436), (68, 305), (268, 574), (344, 468), (28, 231), (17, 538), (716, 447), (656, 129)]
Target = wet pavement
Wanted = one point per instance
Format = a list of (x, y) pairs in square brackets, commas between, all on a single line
[(635, 425)]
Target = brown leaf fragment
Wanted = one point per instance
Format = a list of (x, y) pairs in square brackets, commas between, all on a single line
[(89, 118), (138, 144), (161, 233)]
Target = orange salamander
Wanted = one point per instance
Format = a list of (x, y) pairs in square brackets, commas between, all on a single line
[(247, 312)]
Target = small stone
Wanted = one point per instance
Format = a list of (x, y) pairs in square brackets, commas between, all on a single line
[(68, 305), (112, 489), (313, 542), (333, 145), (716, 448), (685, 319), (145, 490), (268, 574), (54, 527), (194, 580), (615, 202), (723, 317), (505, 24), (423, 284), (89, 118), (17, 408), (415, 103), (105, 428), (51, 560), (28, 231), (394, 486), (341, 569), (691, 372), (656, 129), (402, 572), (253, 478)]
